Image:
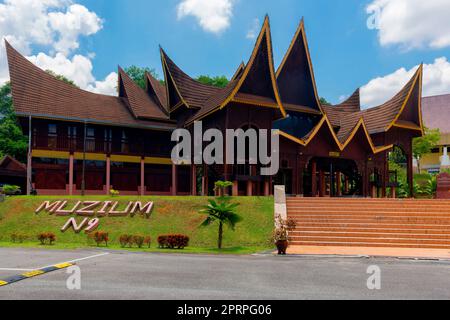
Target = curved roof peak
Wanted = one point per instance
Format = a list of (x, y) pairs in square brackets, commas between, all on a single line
[(352, 104), (295, 75), (183, 89), (141, 104)]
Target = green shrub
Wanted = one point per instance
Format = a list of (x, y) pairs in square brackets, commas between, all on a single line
[(17, 237), (11, 190)]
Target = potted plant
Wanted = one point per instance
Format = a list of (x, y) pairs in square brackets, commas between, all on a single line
[(281, 234)]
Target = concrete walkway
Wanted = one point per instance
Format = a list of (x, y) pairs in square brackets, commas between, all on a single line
[(441, 254)]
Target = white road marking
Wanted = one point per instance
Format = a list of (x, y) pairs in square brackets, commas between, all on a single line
[(78, 260), (13, 269)]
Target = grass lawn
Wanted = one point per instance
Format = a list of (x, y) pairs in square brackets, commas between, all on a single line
[(170, 215)]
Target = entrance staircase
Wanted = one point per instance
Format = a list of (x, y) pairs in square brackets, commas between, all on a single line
[(370, 222)]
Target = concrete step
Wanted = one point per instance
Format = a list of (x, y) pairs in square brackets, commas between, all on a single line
[(349, 239), (365, 244), (393, 230), (372, 235)]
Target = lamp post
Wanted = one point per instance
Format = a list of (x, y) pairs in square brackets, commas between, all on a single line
[(83, 181)]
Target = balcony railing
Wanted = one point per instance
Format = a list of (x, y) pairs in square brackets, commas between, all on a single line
[(150, 148)]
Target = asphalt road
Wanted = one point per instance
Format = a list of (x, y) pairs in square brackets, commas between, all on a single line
[(125, 275)]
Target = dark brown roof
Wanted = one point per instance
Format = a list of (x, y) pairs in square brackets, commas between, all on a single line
[(381, 118), (36, 93), (9, 163), (257, 85), (158, 90), (295, 75), (141, 104), (335, 113), (240, 70), (193, 93)]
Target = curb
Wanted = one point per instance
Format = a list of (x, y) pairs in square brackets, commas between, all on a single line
[(34, 273)]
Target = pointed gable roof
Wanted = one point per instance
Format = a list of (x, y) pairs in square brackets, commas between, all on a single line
[(141, 104), (386, 116), (182, 89), (295, 75), (156, 90), (37, 93), (255, 86), (240, 70), (343, 141)]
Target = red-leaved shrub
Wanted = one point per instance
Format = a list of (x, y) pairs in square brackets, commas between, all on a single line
[(126, 240), (46, 237), (173, 241), (100, 237)]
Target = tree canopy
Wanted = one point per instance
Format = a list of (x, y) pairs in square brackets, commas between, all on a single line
[(137, 74), (12, 140), (324, 101), (425, 144), (62, 78), (219, 81)]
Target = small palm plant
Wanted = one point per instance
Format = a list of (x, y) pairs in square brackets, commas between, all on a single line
[(222, 212)]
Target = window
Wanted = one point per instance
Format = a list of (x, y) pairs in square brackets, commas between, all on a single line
[(108, 140), (124, 142), (90, 139), (435, 150), (52, 136), (72, 136)]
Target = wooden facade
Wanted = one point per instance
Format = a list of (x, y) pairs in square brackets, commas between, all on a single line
[(85, 142)]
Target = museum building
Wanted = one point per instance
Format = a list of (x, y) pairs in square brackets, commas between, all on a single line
[(82, 142)]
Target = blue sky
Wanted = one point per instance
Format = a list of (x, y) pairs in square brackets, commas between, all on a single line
[(345, 53)]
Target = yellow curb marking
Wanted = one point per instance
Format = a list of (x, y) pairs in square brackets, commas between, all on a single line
[(63, 265), (32, 274), (3, 283)]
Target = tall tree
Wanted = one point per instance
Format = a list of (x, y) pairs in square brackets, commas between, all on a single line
[(324, 101), (219, 81), (12, 141), (425, 144), (137, 74)]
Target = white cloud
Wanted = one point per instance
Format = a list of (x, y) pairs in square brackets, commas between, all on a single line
[(412, 23), (76, 21), (57, 25), (107, 86), (252, 33), (436, 80), (213, 15)]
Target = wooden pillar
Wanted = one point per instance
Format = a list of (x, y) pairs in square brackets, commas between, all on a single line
[(322, 183), (314, 178), (206, 176), (300, 177), (346, 185), (71, 175), (174, 180), (338, 184), (108, 174), (194, 179), (266, 188), (235, 188), (142, 188), (249, 188), (385, 178)]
